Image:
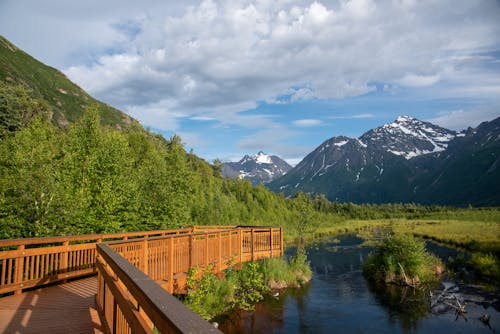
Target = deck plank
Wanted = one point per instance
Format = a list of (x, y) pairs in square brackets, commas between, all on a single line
[(63, 308)]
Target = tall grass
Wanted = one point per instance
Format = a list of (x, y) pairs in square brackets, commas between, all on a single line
[(402, 259), (210, 295)]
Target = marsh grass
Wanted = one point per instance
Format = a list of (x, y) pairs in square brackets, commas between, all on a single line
[(402, 259), (472, 235), (210, 295)]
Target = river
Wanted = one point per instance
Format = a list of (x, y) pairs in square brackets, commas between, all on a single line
[(340, 300)]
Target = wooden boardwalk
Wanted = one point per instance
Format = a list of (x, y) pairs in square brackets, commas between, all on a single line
[(63, 308)]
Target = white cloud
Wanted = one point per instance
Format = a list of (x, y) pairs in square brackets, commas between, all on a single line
[(216, 56), (413, 80), (307, 122), (354, 116), (462, 119)]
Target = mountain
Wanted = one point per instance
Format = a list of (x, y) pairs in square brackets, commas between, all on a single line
[(259, 168), (66, 99), (409, 137), (407, 160)]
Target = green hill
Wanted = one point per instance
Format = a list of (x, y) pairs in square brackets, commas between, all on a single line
[(67, 100)]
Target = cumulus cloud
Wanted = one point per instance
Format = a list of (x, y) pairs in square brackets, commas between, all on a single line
[(218, 55)]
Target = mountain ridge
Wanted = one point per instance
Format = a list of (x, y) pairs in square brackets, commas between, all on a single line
[(407, 160), (259, 168)]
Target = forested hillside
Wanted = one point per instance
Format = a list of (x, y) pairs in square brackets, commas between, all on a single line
[(67, 100), (90, 178)]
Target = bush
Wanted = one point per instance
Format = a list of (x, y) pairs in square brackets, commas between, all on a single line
[(485, 265), (402, 259), (278, 273), (210, 296)]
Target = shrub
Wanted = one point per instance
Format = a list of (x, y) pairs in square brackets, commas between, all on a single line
[(210, 295), (485, 265), (402, 259), (278, 273)]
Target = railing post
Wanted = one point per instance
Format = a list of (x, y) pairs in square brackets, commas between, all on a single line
[(271, 242), (170, 265), (19, 269), (206, 250), (145, 266), (240, 237), (63, 266), (219, 262), (281, 241), (252, 243), (191, 251)]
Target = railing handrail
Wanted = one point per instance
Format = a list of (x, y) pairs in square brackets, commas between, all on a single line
[(85, 237), (165, 311), (238, 228)]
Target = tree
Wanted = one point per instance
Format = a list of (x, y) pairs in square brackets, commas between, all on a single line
[(30, 165), (306, 220), (18, 108)]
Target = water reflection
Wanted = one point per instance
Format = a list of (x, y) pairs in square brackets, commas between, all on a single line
[(339, 299), (404, 305)]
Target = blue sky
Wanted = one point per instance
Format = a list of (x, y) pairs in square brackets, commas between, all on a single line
[(236, 77)]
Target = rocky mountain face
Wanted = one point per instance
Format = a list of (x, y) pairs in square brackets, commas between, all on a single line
[(259, 168), (407, 160)]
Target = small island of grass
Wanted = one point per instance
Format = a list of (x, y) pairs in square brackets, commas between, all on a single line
[(402, 259)]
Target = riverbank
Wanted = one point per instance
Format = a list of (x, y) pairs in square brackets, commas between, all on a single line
[(211, 295)]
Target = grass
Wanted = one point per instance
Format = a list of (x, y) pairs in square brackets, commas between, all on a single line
[(211, 295), (403, 259), (477, 235)]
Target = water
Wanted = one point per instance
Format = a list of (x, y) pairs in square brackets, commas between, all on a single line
[(340, 300)]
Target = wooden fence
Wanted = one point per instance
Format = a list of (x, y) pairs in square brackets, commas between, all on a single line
[(136, 271), (168, 259), (130, 300), (31, 262)]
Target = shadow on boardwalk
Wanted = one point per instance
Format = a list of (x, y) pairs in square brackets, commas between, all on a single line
[(63, 308)]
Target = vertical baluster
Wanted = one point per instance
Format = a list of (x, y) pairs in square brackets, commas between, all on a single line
[(19, 268)]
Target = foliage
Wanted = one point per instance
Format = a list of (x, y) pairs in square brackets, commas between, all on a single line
[(278, 273), (18, 108), (210, 296), (485, 265), (402, 259)]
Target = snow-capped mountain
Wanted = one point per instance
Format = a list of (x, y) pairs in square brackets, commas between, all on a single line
[(409, 137), (407, 160), (259, 168)]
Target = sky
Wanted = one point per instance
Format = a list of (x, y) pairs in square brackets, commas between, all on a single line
[(237, 77)]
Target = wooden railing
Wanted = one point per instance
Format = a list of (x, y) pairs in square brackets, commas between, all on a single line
[(131, 301), (31, 262), (168, 259), (129, 266)]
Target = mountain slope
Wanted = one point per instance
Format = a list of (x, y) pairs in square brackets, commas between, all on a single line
[(468, 172), (67, 100), (404, 161), (259, 168), (409, 137)]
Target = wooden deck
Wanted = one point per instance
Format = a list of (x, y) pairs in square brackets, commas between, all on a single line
[(63, 308)]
